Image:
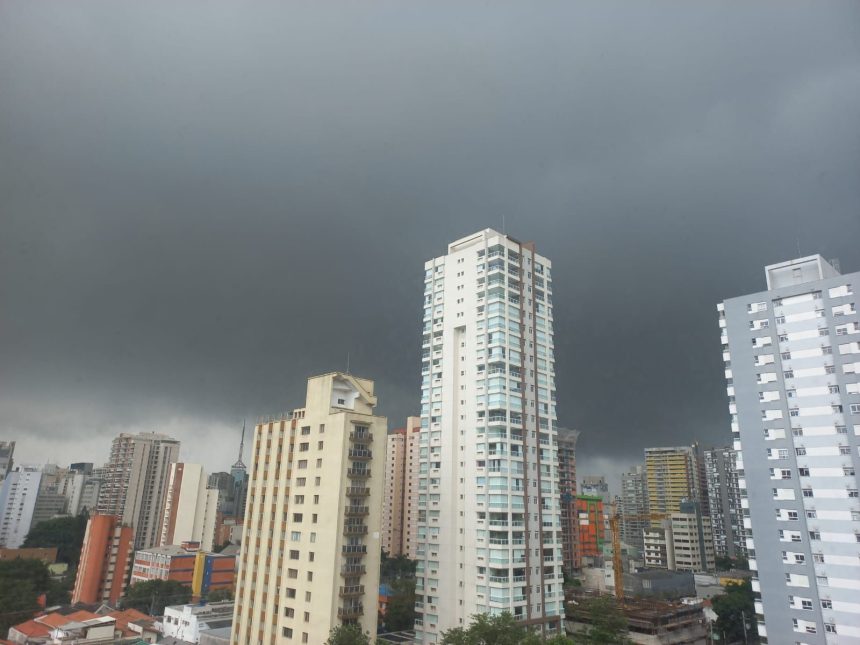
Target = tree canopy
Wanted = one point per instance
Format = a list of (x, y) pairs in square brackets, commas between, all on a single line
[(347, 635), (503, 629), (152, 596), (400, 566), (65, 533), (733, 608), (219, 594), (21, 584), (400, 614)]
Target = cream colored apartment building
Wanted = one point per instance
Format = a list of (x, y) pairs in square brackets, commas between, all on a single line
[(311, 541), (400, 507)]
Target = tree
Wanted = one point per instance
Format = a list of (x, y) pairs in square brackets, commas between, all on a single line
[(398, 567), (607, 623), (347, 635), (65, 533), (400, 614), (497, 630), (21, 583), (219, 594), (152, 596), (733, 608)]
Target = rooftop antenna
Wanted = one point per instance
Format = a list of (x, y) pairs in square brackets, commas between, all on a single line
[(347, 362)]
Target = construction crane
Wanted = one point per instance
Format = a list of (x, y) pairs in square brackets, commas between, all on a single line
[(615, 519)]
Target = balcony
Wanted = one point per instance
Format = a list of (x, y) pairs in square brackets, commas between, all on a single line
[(361, 454), (350, 611), (353, 570), (354, 529), (358, 473), (355, 511), (352, 549), (358, 435), (357, 491), (351, 591)]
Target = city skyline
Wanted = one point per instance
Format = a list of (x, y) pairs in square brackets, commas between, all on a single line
[(143, 288)]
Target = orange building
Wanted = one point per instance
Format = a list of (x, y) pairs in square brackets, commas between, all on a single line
[(105, 560), (591, 532), (170, 562), (48, 555)]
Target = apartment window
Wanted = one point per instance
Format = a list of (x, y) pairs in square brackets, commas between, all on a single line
[(313, 537), (300, 481), (848, 471), (830, 369), (303, 463), (792, 515), (803, 472), (818, 558), (800, 451), (292, 573), (830, 628), (844, 450), (294, 554), (319, 445), (299, 499), (319, 463), (855, 408), (288, 632), (307, 596), (314, 518), (304, 637), (316, 499), (317, 481), (780, 320), (303, 447), (806, 604), (852, 492), (297, 517), (291, 593), (307, 616), (786, 356), (841, 429), (827, 604), (296, 536), (788, 374), (311, 573), (807, 492), (289, 612), (306, 430), (815, 535)]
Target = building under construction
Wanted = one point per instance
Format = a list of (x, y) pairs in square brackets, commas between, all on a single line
[(649, 622)]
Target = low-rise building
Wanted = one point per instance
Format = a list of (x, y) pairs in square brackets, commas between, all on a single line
[(186, 622), (186, 564), (70, 626), (48, 555)]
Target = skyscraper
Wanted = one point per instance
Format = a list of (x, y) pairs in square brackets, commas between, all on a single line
[(489, 525), (634, 506), (672, 476), (190, 508), (792, 358), (135, 483), (724, 499), (18, 496), (567, 498), (7, 452), (400, 505), (311, 543)]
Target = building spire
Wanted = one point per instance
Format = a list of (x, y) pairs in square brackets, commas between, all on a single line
[(239, 463)]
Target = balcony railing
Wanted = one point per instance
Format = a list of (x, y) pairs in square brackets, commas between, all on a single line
[(357, 491), (353, 511), (350, 611), (360, 436), (358, 453), (352, 590), (358, 473), (354, 548), (353, 529), (353, 570)]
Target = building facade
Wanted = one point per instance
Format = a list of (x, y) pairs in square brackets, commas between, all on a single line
[(673, 475), (792, 357), (174, 562), (18, 497), (571, 555), (134, 483), (400, 507), (190, 508), (105, 561), (489, 517), (724, 500), (311, 544), (592, 533), (634, 507), (7, 453), (681, 542), (596, 486)]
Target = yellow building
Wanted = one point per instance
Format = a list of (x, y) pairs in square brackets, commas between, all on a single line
[(671, 477), (311, 541)]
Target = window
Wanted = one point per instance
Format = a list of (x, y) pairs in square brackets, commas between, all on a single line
[(818, 558), (319, 463), (803, 472), (300, 481), (292, 573), (800, 451), (307, 616), (848, 471), (306, 430), (289, 612), (855, 408), (303, 447), (788, 373), (288, 632), (303, 463), (297, 517), (827, 604), (291, 593), (852, 492), (814, 535), (830, 628), (834, 389), (295, 536), (299, 499), (307, 596), (319, 445), (806, 604), (311, 573), (294, 554)]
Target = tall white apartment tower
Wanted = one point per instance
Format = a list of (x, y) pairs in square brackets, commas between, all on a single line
[(489, 519), (793, 367)]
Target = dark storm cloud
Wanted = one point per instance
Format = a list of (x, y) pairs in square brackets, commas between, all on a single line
[(204, 203)]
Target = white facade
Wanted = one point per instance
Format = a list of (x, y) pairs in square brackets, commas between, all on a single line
[(17, 502), (794, 400), (489, 520), (190, 508), (185, 622)]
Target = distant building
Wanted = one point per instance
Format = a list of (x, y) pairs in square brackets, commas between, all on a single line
[(681, 542), (591, 527), (634, 507), (571, 556), (724, 500), (135, 483), (314, 516), (105, 561), (18, 497), (400, 506), (186, 622), (7, 452), (48, 555), (596, 486), (173, 562), (84, 626), (190, 508), (673, 475)]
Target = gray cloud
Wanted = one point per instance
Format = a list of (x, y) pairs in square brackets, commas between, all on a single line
[(200, 205)]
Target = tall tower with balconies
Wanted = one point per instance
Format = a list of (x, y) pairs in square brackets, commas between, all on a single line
[(489, 520), (311, 539), (792, 357)]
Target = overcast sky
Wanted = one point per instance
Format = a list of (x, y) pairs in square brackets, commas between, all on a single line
[(202, 204)]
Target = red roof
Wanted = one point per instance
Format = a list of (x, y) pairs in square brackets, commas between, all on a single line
[(123, 618), (58, 620), (32, 628)]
